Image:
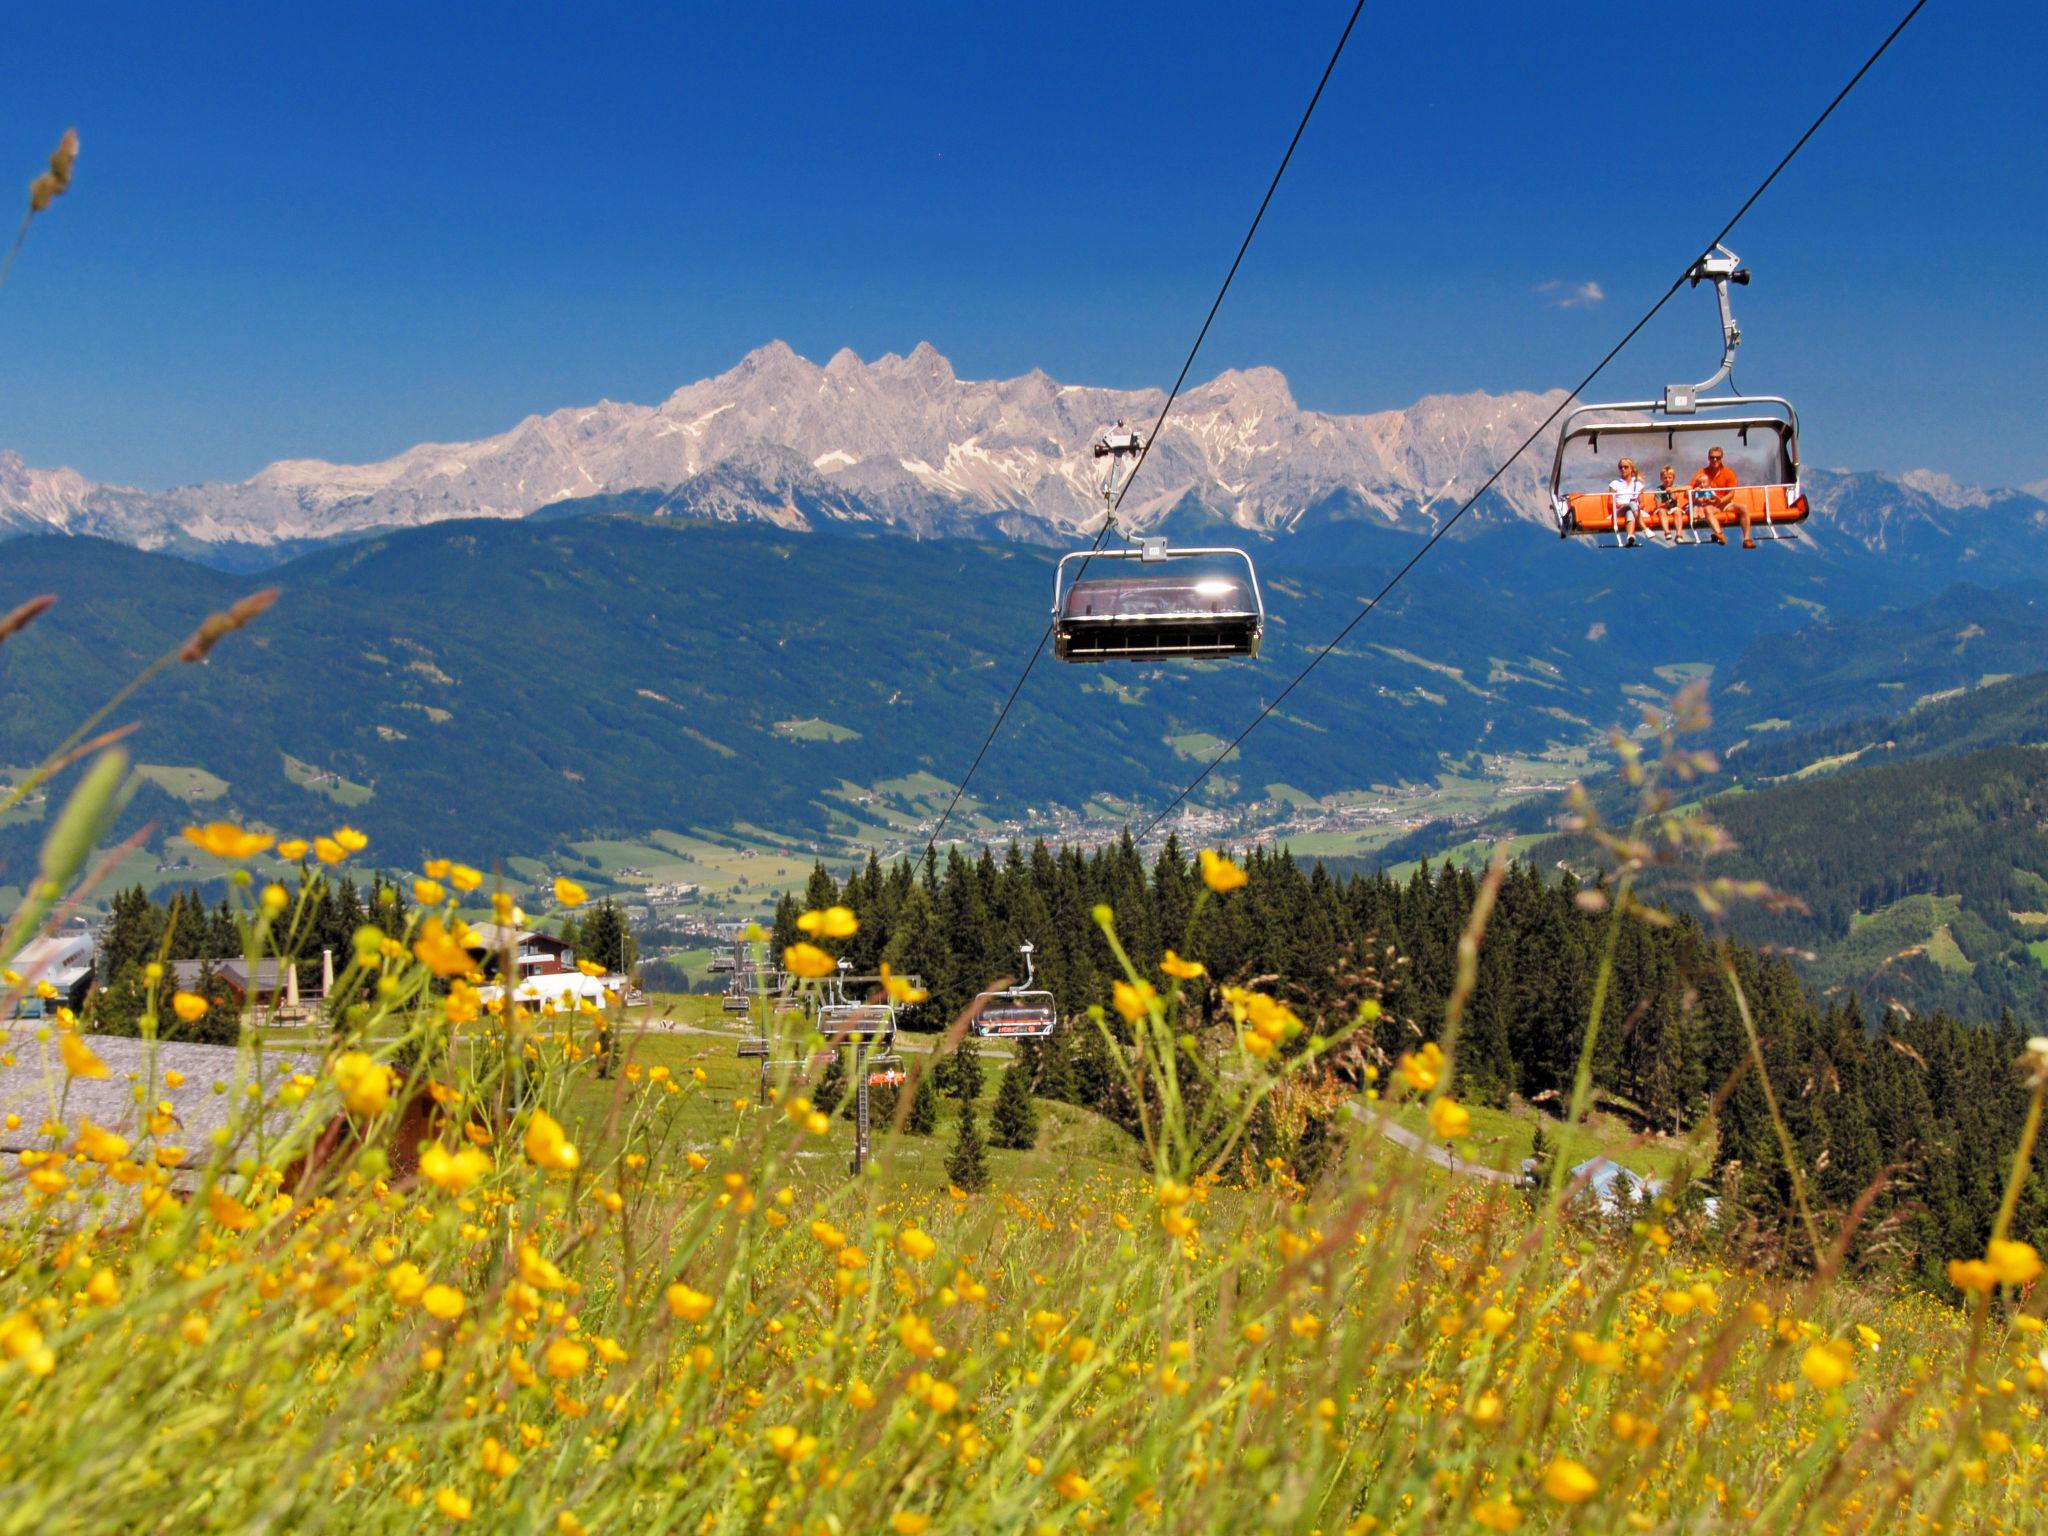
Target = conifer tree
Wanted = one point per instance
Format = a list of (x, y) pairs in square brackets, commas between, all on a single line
[(924, 1108), (1056, 1068), (967, 1166), (1014, 1124), (963, 1077), (832, 1086)]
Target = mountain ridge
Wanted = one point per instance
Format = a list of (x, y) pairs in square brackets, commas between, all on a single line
[(904, 443)]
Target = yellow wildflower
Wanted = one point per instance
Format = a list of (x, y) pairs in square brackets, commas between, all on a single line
[(691, 1306), (453, 1171), (808, 961), (225, 840), (79, 1059), (1569, 1481), (365, 1084), (2015, 1263), (569, 893), (1220, 873), (1181, 970), (832, 923), (547, 1146), (1450, 1119)]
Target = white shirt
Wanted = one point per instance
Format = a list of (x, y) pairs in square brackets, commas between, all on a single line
[(1626, 494)]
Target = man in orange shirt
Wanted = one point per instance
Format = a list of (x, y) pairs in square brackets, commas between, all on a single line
[(1711, 486)]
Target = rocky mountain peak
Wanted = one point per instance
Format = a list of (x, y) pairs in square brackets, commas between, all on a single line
[(903, 441)]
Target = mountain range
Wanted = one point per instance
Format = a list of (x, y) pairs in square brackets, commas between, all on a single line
[(904, 443)]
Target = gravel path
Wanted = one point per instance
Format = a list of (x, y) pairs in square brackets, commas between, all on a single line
[(1442, 1156)]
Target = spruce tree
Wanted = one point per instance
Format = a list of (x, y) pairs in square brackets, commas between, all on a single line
[(831, 1088), (1015, 1121), (1056, 1069), (967, 1166), (963, 1078), (924, 1108)]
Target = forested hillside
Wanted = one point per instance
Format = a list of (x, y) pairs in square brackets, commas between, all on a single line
[(1925, 883), (502, 688), (1861, 1090), (2012, 712)]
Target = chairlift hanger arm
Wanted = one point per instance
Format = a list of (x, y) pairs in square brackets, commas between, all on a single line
[(1720, 267)]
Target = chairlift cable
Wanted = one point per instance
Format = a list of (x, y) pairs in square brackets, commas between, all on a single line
[(1109, 521), (1542, 427)]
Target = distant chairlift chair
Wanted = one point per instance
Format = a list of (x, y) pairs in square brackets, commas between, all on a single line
[(1016, 1013)]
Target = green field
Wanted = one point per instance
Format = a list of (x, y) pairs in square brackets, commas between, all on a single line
[(1502, 1139), (815, 730), (1916, 923), (331, 785), (193, 784)]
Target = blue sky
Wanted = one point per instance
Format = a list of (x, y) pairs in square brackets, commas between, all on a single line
[(332, 231)]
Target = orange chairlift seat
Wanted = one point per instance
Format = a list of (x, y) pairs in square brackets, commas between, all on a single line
[(1758, 436)]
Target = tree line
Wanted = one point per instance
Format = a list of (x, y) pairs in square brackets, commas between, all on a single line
[(1925, 1105)]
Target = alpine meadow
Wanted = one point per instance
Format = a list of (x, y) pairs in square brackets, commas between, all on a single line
[(899, 945)]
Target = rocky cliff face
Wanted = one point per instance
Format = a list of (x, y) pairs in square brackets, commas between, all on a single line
[(904, 442)]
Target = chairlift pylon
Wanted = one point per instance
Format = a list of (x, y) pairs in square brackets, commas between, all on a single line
[(1757, 435), (1023, 1012), (1211, 612)]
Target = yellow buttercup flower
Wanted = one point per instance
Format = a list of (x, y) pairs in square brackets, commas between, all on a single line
[(1132, 1002), (441, 949), (564, 1358), (225, 840), (691, 1306), (98, 1144), (328, 851), (1181, 970), (189, 1006), (1221, 873), (293, 848), (453, 1171), (1421, 1070), (808, 961), (569, 893), (547, 1146), (351, 839), (79, 1058), (453, 1504), (899, 991), (463, 878), (2015, 1263), (1826, 1365), (1450, 1119), (1569, 1481), (1972, 1275), (429, 893), (443, 1302), (365, 1083), (832, 923)]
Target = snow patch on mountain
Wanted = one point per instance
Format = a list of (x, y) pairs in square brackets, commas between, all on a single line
[(906, 442)]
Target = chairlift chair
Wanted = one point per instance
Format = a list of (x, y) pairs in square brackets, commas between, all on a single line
[(1153, 613), (1757, 434), (845, 1023), (1016, 1013), (885, 1069)]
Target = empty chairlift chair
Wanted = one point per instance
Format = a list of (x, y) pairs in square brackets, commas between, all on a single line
[(1758, 436), (1016, 1013), (1152, 602), (1164, 609)]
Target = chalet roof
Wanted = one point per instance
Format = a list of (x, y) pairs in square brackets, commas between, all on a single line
[(494, 937), (236, 972)]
